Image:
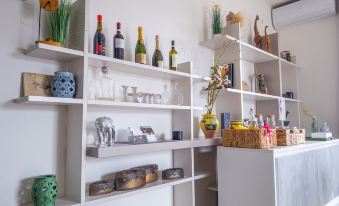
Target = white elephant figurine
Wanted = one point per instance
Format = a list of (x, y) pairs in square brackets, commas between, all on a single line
[(105, 131)]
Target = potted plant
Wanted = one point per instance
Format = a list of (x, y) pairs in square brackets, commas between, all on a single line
[(59, 22), (209, 124), (216, 20)]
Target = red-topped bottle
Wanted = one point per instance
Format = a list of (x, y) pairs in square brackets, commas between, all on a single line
[(119, 43), (99, 39)]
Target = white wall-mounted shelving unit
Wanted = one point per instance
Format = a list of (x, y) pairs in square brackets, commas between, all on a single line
[(280, 75), (86, 164)]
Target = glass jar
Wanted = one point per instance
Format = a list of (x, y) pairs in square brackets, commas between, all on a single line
[(104, 86)]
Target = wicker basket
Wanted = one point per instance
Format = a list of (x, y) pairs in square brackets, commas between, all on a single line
[(290, 137), (251, 138)]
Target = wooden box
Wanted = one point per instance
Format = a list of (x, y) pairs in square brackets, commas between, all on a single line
[(287, 137), (251, 138)]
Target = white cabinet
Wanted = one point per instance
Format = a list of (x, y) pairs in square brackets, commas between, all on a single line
[(302, 175)]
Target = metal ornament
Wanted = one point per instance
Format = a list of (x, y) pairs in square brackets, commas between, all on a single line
[(105, 131)]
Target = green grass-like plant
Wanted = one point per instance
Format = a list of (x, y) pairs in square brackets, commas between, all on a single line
[(59, 22), (216, 19)]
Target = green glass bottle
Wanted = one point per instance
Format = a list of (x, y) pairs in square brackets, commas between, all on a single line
[(140, 50), (173, 58)]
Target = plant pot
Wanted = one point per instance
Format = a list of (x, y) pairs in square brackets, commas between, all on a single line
[(63, 85), (209, 124), (216, 35), (44, 190)]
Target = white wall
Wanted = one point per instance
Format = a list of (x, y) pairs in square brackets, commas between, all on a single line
[(316, 46), (32, 136)]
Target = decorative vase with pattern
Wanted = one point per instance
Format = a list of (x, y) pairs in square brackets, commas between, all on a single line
[(209, 125), (63, 85), (44, 190)]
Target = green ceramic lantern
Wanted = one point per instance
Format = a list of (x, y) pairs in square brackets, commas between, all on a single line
[(44, 190)]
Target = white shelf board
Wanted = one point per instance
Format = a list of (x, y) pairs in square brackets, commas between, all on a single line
[(135, 68), (198, 108), (127, 149), (213, 188), (292, 100), (48, 100), (287, 64), (218, 42), (45, 51), (96, 200), (252, 54), (230, 90), (200, 78), (260, 97), (136, 105), (61, 202)]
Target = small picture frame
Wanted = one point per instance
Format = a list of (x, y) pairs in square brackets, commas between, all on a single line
[(36, 84), (230, 76)]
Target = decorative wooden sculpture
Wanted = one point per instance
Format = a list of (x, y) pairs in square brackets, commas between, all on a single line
[(267, 40), (257, 37), (261, 84)]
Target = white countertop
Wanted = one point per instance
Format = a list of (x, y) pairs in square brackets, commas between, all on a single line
[(289, 150)]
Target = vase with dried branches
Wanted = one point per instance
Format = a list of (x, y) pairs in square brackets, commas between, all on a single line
[(314, 125), (209, 123)]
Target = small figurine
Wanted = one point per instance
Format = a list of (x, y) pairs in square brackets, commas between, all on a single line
[(257, 37), (261, 84), (105, 131), (267, 40)]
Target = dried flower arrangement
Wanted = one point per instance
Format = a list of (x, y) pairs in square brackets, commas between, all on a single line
[(218, 80)]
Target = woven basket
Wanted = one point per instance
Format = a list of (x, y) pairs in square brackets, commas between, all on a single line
[(287, 137), (249, 138)]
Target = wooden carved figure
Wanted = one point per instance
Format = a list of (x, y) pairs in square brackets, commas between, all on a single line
[(267, 40), (257, 37)]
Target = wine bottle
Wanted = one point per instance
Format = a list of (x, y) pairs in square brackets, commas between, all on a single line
[(140, 50), (173, 58), (99, 39), (157, 60), (119, 43)]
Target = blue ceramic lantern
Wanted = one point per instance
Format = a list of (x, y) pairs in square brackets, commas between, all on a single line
[(63, 85)]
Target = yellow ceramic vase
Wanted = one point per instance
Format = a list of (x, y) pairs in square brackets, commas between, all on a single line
[(209, 124)]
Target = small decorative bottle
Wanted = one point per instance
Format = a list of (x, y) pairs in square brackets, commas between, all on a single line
[(271, 121), (104, 86), (260, 121), (252, 123)]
